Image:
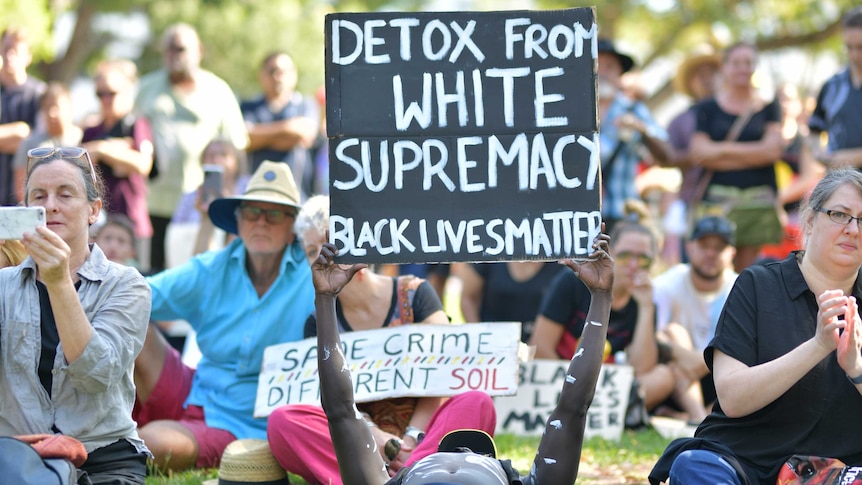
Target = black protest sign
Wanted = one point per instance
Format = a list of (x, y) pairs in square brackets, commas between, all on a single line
[(466, 136)]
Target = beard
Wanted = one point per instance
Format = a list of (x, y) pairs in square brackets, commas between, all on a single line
[(697, 270)]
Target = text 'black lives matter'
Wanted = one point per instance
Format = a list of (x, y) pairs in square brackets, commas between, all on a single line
[(463, 136)]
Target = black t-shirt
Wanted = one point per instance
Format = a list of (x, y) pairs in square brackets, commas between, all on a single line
[(769, 312), (50, 337), (507, 300), (425, 302), (567, 301), (716, 123)]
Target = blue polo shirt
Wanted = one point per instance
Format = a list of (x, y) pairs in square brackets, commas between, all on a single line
[(214, 293)]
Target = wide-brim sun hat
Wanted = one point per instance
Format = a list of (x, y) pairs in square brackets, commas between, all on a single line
[(684, 73), (272, 182), (249, 462), (607, 45)]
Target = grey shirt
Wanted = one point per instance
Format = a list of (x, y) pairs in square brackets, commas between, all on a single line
[(92, 398)]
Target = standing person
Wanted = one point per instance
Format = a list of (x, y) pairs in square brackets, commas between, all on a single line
[(71, 324), (697, 78), (254, 293), (786, 355), (687, 297), (55, 128), (282, 123), (187, 107), (299, 434), (116, 237), (739, 172), (631, 326), (20, 94), (625, 126), (122, 144), (505, 292), (839, 104), (465, 456)]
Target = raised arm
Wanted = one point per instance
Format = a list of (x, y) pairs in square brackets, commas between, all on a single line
[(359, 460), (559, 452)]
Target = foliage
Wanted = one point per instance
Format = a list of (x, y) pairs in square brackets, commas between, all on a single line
[(237, 34)]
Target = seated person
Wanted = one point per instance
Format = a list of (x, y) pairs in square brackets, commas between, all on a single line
[(254, 293), (785, 357), (558, 456), (116, 237), (298, 433), (632, 320), (689, 297), (71, 325)]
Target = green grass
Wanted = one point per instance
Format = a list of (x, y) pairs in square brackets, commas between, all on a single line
[(625, 462)]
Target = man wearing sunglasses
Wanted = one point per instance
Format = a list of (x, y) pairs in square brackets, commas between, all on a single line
[(187, 106), (688, 299), (254, 293)]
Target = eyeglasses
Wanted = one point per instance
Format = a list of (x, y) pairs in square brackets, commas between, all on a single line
[(624, 257), (273, 216), (839, 217), (42, 153), (105, 94)]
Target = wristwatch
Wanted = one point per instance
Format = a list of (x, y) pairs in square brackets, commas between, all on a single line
[(415, 433)]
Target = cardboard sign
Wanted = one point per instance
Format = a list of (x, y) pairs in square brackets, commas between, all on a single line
[(463, 136), (408, 360), (540, 383)]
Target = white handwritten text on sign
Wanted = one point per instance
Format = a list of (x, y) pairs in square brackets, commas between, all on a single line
[(409, 360)]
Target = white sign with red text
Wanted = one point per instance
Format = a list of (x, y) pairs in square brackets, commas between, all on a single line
[(408, 360)]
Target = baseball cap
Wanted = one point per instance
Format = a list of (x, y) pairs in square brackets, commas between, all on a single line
[(474, 440), (714, 226)]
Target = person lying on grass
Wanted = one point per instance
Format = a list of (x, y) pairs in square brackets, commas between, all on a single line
[(464, 457)]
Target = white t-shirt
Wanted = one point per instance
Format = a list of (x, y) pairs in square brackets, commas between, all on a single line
[(677, 300)]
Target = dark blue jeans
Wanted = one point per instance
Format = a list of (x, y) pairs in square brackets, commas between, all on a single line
[(694, 467)]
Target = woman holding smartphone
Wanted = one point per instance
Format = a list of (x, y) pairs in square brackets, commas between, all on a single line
[(76, 322)]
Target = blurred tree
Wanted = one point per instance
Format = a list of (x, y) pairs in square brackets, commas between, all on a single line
[(237, 34)]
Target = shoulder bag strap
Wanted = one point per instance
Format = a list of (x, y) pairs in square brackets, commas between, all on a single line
[(732, 135)]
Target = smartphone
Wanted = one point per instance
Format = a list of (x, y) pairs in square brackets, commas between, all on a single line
[(213, 183), (15, 221)]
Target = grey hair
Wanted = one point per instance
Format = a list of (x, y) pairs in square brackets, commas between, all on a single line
[(314, 214), (831, 182)]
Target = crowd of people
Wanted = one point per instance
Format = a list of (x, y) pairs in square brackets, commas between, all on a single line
[(690, 292)]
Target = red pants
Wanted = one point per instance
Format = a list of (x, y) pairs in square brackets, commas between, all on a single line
[(299, 434)]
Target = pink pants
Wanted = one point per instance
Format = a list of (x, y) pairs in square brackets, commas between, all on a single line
[(299, 434)]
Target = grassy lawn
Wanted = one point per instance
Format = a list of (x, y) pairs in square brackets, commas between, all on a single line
[(602, 462)]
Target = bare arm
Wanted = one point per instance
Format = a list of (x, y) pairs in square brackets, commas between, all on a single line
[(11, 135), (546, 337), (121, 155), (472, 287), (282, 135), (359, 460), (642, 352), (558, 456), (735, 155)]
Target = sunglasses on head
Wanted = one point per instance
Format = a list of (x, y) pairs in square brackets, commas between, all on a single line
[(42, 153)]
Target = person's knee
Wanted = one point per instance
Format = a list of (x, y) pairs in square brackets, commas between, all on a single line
[(700, 466), (173, 446)]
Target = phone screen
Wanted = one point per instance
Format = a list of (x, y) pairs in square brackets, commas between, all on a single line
[(213, 183)]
